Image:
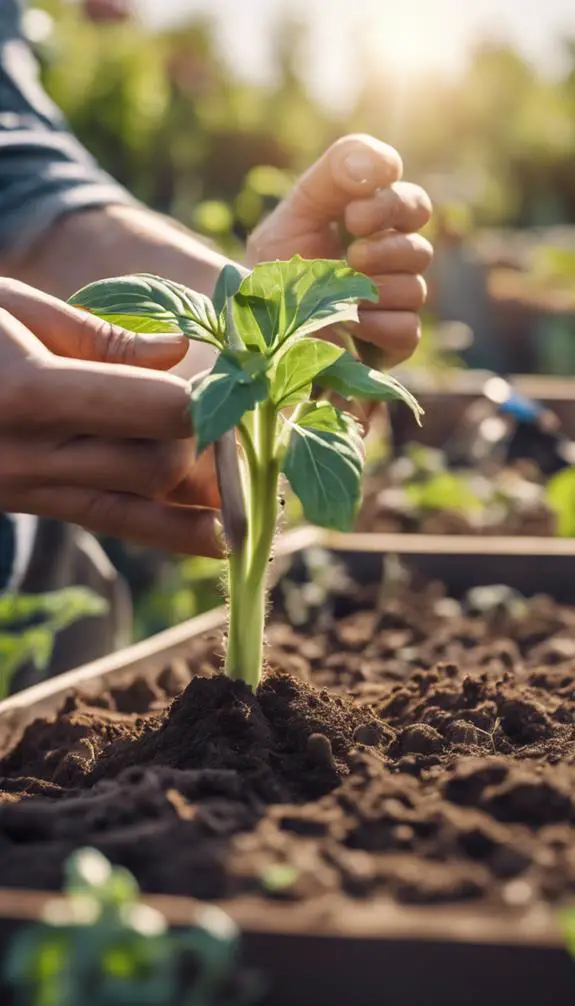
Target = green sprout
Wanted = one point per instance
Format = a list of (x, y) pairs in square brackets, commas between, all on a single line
[(100, 945), (29, 624), (262, 326)]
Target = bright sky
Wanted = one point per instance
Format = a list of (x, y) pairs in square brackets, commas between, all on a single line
[(411, 33)]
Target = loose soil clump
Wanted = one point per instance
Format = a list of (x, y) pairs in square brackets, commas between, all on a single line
[(425, 752)]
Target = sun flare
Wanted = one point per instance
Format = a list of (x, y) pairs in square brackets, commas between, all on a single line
[(412, 41)]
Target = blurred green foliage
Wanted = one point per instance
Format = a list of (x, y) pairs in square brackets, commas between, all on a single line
[(183, 589), (169, 119), (167, 116), (561, 498), (101, 945), (30, 623)]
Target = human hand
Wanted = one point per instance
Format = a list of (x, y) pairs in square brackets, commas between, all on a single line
[(91, 434), (357, 182)]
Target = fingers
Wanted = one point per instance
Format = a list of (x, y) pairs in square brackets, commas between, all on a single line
[(353, 167), (71, 398), (395, 261), (180, 530), (74, 397), (397, 333), (402, 207), (391, 252), (143, 467), (398, 292), (66, 331), (199, 484)]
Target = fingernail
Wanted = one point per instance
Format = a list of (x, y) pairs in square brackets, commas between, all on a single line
[(162, 338), (360, 167), (360, 252)]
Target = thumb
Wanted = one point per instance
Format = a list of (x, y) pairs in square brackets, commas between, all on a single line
[(354, 167), (67, 331)]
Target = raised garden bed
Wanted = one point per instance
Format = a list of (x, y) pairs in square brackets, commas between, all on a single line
[(446, 397), (426, 488), (390, 820)]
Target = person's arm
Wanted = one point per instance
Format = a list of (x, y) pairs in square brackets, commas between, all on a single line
[(45, 173), (111, 240), (64, 222), (7, 551), (17, 535)]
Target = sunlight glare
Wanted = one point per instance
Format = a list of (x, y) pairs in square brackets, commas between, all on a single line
[(413, 40)]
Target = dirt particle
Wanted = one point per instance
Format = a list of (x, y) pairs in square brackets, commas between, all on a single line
[(417, 739), (319, 750)]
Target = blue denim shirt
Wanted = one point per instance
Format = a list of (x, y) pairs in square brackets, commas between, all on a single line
[(44, 173)]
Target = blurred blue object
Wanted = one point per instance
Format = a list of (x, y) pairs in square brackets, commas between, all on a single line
[(524, 410)]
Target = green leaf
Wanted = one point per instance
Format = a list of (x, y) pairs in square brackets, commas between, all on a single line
[(444, 491), (560, 494), (353, 380), (60, 607), (296, 368), (146, 303), (222, 398), (278, 299), (32, 646), (228, 284), (324, 464), (29, 624)]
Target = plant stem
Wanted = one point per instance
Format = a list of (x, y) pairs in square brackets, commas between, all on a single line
[(246, 625), (248, 567)]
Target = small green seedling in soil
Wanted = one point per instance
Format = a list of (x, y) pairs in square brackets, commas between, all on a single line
[(263, 326), (100, 945), (30, 623)]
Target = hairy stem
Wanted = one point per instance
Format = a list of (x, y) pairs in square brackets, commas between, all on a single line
[(248, 567)]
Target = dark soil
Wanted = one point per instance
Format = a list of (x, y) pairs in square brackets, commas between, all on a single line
[(426, 752)]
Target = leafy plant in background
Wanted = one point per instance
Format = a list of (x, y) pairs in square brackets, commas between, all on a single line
[(427, 484), (443, 491), (263, 324), (185, 588), (29, 624), (162, 130), (560, 494), (420, 484), (554, 265), (100, 946), (230, 223)]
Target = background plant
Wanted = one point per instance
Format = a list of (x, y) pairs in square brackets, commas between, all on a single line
[(100, 945), (29, 624), (159, 108)]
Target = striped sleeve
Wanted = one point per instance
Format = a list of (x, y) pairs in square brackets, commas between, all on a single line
[(44, 171)]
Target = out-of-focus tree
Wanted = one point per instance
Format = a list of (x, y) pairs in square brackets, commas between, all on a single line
[(169, 118)]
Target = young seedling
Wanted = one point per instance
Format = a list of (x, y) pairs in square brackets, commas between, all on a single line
[(99, 945), (30, 623), (263, 326)]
